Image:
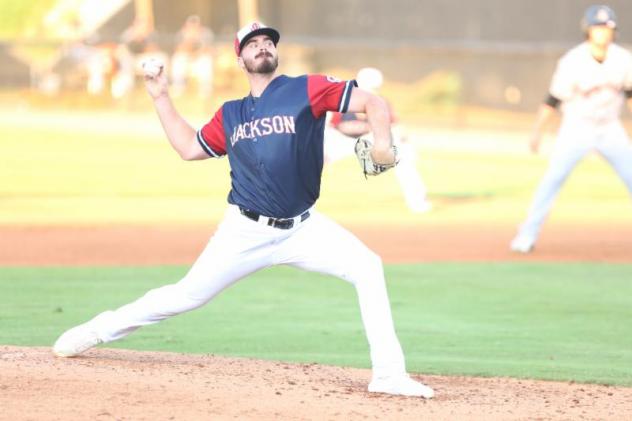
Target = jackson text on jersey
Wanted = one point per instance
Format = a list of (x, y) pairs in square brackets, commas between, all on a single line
[(260, 127)]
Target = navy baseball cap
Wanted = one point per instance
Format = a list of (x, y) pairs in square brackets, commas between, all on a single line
[(251, 30), (599, 15)]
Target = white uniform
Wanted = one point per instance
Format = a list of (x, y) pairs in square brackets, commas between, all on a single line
[(592, 95)]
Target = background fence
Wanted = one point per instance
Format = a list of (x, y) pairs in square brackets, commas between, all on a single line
[(492, 53)]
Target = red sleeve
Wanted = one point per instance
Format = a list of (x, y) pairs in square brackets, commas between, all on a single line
[(336, 118), (328, 94), (211, 136)]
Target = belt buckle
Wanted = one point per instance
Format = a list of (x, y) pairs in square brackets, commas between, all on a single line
[(280, 223), (284, 224)]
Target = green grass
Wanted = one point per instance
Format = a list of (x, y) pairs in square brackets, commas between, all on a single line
[(548, 321), (109, 167)]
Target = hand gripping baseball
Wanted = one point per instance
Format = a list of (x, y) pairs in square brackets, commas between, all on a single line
[(363, 149), (155, 78)]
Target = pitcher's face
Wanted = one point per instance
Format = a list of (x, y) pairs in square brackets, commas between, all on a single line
[(259, 55)]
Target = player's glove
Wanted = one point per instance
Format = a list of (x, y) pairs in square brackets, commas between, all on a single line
[(363, 153)]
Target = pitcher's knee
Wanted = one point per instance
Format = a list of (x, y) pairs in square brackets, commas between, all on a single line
[(366, 267), (374, 261)]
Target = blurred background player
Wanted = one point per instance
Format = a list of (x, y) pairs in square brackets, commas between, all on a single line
[(138, 45), (591, 83), (344, 129), (120, 62), (193, 58)]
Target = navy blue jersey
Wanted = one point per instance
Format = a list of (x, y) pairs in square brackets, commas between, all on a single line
[(274, 142)]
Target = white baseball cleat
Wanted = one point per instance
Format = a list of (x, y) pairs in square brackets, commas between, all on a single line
[(400, 385), (76, 340), (522, 245)]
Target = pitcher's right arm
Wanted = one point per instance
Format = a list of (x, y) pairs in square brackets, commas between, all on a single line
[(181, 135)]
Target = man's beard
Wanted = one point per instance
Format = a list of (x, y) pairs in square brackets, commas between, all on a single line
[(267, 66)]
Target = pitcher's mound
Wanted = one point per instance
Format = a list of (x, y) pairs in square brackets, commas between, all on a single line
[(109, 384)]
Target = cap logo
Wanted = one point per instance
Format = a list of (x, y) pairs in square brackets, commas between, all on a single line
[(602, 15), (255, 26)]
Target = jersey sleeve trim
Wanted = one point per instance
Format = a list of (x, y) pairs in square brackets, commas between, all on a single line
[(345, 98), (205, 146), (552, 101)]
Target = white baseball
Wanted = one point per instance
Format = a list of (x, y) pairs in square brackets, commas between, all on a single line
[(152, 67)]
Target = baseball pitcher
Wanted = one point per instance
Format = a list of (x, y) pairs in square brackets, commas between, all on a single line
[(591, 83), (273, 139)]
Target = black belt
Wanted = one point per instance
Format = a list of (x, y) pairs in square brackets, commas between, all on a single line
[(280, 223)]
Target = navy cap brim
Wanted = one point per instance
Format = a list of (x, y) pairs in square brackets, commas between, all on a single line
[(271, 32)]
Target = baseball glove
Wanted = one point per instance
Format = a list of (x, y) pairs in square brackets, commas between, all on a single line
[(363, 153)]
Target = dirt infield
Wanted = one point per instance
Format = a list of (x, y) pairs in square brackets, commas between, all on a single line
[(133, 245), (108, 384)]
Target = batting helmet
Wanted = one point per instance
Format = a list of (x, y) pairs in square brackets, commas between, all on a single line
[(597, 15)]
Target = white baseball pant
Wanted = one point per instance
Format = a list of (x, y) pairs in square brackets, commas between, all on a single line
[(241, 246)]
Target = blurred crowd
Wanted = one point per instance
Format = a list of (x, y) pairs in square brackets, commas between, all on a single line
[(106, 67)]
